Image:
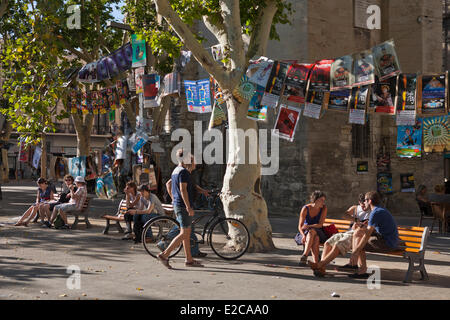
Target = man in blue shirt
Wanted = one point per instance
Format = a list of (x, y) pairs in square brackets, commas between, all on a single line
[(381, 235)]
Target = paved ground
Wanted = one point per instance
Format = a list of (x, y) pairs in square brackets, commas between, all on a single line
[(34, 262)]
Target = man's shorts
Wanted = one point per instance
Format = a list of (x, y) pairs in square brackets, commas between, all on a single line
[(376, 243), (182, 217), (66, 207), (343, 241)]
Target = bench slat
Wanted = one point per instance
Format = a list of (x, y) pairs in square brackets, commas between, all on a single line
[(409, 233), (411, 239)]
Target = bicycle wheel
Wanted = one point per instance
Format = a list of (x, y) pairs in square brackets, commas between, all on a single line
[(229, 238), (158, 233)]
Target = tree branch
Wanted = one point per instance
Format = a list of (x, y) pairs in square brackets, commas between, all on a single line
[(3, 7), (261, 32), (201, 55), (231, 15)]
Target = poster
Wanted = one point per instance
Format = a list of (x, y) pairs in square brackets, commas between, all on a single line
[(100, 189), (88, 73), (121, 148), (198, 95), (127, 52), (102, 70), (386, 60), (357, 105), (77, 166), (139, 58), (296, 81), (111, 64), (409, 140), (259, 71), (314, 103), (383, 96), (171, 84), (287, 121), (94, 102), (138, 76), (86, 105), (74, 102), (37, 156), (432, 95), (143, 124), (363, 68), (141, 138), (218, 116), (23, 152), (341, 76), (407, 182), (384, 183), (110, 187), (121, 61), (256, 110), (217, 52), (113, 101), (362, 167), (405, 104), (122, 91), (339, 100), (245, 90), (275, 84), (319, 79), (151, 84), (436, 135)]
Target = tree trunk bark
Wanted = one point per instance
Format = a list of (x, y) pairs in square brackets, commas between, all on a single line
[(241, 192)]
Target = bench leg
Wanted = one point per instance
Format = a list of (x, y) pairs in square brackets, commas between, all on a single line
[(88, 224), (119, 227), (75, 223), (423, 271), (412, 267), (107, 227), (410, 271)]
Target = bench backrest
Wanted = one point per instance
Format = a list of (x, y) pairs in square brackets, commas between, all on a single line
[(85, 204), (414, 239), (122, 208)]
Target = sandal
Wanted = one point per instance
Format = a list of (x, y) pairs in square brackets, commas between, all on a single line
[(164, 261), (193, 263)]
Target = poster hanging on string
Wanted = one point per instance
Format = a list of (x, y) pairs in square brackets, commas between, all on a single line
[(432, 95), (256, 110), (363, 68), (409, 140), (287, 121), (275, 84), (358, 105), (386, 60), (341, 76), (259, 71), (383, 96), (319, 79), (77, 166), (151, 84), (171, 84), (37, 157), (198, 95), (245, 90), (296, 81), (218, 116), (122, 91), (110, 187), (138, 76), (406, 99), (339, 100), (88, 73), (102, 70), (113, 100), (314, 103), (139, 58), (436, 134)]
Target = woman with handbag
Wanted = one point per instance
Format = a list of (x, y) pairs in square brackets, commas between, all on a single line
[(312, 217)]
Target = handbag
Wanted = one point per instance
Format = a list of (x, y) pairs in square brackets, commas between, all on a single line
[(298, 239), (330, 230)]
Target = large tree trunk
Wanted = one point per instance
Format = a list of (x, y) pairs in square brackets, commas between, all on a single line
[(241, 192), (83, 127)]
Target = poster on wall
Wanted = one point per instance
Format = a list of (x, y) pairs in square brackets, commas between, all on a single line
[(287, 122), (409, 140), (275, 84), (198, 95), (436, 135), (363, 68), (362, 167), (339, 100), (341, 73), (319, 79), (386, 60), (383, 96), (432, 95), (384, 183), (407, 182), (406, 99), (256, 110), (357, 105)]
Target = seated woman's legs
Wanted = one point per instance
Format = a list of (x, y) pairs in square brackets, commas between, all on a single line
[(23, 219), (308, 243)]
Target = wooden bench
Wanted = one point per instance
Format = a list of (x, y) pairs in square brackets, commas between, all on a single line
[(413, 245), (84, 211), (120, 216)]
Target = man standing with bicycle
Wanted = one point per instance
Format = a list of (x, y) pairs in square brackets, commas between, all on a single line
[(183, 198)]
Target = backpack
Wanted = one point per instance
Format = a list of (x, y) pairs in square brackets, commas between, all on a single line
[(59, 222)]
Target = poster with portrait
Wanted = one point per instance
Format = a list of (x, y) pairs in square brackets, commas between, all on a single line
[(75, 101), (407, 182), (296, 82), (198, 95), (88, 73), (287, 121), (151, 83), (409, 140), (363, 68), (94, 99), (386, 60), (275, 84), (383, 96), (113, 68), (436, 135), (110, 187), (139, 57), (384, 183), (77, 166), (100, 188), (256, 110), (432, 95), (339, 100), (319, 79), (341, 73), (138, 75)]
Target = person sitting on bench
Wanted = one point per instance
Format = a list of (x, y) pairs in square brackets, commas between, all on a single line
[(132, 198)]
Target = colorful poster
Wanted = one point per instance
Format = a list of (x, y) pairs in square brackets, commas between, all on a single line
[(37, 156), (122, 91), (198, 95), (218, 116), (363, 68), (287, 121), (384, 183), (383, 96), (171, 84), (141, 138), (100, 189), (74, 102), (245, 90), (409, 140), (110, 187), (341, 73), (407, 182), (386, 60), (113, 100), (358, 105), (94, 102), (138, 76), (433, 95), (339, 100), (275, 84), (88, 73), (77, 166), (256, 110), (103, 101), (151, 84), (139, 58), (259, 71), (436, 135), (296, 81), (406, 95), (23, 152), (319, 79)]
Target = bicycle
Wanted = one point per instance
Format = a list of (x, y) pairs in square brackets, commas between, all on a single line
[(228, 237)]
